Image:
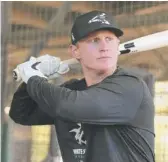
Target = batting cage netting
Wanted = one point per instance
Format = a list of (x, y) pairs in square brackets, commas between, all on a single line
[(34, 28)]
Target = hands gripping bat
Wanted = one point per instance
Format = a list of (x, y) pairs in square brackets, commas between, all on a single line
[(145, 43)]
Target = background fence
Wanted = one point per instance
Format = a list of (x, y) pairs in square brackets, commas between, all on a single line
[(33, 28)]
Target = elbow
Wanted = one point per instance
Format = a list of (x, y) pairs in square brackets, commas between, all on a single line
[(18, 120)]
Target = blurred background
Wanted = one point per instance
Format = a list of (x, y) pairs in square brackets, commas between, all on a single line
[(34, 28)]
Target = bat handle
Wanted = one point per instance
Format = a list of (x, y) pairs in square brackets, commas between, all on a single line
[(16, 75)]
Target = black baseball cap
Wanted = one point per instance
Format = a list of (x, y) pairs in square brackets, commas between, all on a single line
[(93, 21)]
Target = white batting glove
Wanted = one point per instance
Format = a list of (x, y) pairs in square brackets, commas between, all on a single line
[(29, 69), (51, 66)]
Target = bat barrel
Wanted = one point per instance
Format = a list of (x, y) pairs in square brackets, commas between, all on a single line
[(145, 43)]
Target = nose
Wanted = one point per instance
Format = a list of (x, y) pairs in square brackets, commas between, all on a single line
[(103, 44)]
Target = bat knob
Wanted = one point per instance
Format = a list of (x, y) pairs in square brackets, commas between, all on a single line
[(16, 75)]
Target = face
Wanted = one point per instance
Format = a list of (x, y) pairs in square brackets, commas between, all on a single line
[(99, 51)]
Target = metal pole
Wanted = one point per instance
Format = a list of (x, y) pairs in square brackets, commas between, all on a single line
[(5, 6)]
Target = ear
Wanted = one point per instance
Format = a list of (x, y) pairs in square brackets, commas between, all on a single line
[(118, 46), (74, 51), (118, 40)]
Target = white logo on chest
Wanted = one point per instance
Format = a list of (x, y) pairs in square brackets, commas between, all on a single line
[(79, 133)]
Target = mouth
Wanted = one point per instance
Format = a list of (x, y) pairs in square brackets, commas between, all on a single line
[(105, 57)]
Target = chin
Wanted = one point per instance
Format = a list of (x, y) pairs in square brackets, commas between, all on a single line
[(104, 69), (106, 66)]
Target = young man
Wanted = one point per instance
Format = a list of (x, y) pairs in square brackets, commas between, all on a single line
[(106, 117)]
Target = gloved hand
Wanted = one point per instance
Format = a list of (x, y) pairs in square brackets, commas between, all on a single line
[(51, 66), (29, 69)]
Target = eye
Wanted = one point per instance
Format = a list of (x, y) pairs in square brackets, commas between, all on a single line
[(109, 38), (94, 40)]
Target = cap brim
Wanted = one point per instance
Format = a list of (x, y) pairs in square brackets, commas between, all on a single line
[(116, 31)]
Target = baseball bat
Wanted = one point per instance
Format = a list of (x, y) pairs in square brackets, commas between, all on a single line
[(145, 43)]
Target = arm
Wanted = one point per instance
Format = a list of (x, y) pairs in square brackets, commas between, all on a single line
[(115, 100), (25, 111)]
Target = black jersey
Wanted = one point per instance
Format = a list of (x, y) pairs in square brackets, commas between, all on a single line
[(112, 121)]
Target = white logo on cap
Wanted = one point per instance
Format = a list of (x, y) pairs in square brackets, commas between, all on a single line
[(99, 18), (73, 38)]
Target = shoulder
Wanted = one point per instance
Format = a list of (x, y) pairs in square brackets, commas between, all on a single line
[(124, 75), (124, 81), (133, 72)]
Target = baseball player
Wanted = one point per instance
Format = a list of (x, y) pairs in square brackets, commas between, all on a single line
[(108, 116)]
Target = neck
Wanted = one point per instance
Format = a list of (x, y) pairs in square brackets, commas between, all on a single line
[(92, 77)]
